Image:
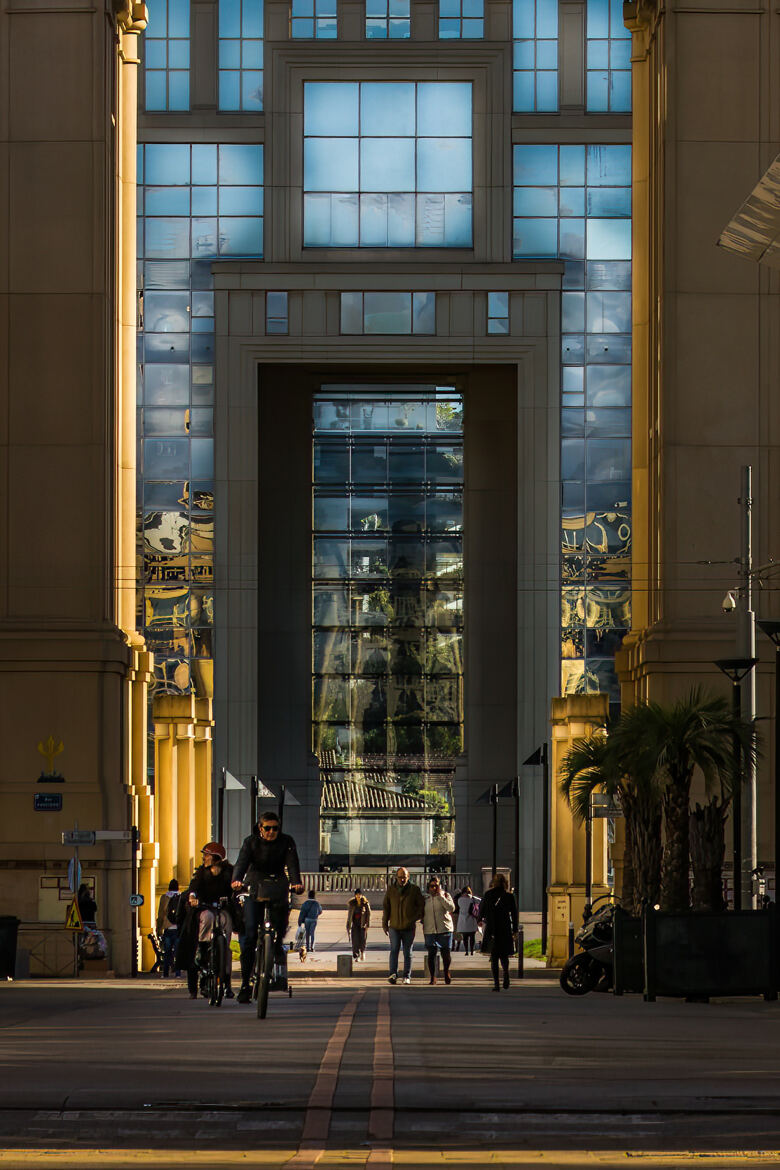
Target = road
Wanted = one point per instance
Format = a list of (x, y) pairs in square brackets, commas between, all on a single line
[(358, 1073)]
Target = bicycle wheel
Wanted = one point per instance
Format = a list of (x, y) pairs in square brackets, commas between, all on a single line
[(265, 969), (210, 978), (220, 967)]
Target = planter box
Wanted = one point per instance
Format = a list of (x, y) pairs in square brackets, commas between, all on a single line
[(628, 954), (702, 955)]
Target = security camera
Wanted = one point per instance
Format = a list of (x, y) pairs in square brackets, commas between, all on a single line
[(729, 603)]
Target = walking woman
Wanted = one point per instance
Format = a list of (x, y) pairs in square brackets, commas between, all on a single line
[(498, 911), (468, 913), (437, 925)]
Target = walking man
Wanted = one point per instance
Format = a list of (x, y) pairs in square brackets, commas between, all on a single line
[(401, 911), (358, 922)]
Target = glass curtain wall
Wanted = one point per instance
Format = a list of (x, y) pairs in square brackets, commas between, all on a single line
[(574, 202), (195, 203), (387, 636)]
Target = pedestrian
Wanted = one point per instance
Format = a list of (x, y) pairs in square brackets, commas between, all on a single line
[(87, 905), (358, 922), (167, 927), (498, 911), (468, 914), (457, 937), (310, 912), (437, 925), (402, 909)]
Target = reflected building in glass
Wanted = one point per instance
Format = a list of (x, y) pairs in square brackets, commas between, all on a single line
[(384, 383)]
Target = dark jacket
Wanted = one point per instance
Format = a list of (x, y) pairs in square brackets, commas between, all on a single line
[(259, 859), (358, 914), (498, 911), (310, 911), (403, 906), (209, 887)]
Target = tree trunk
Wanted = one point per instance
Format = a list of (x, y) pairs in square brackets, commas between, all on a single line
[(708, 844), (675, 891), (628, 886), (643, 827)]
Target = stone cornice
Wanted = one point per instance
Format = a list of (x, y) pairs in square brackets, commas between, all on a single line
[(131, 17)]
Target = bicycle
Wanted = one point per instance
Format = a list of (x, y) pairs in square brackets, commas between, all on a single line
[(268, 974), (213, 979)]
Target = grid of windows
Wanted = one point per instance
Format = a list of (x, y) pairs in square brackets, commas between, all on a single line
[(387, 639), (388, 19), (241, 55), (388, 312), (186, 198), (575, 202), (608, 58), (314, 20), (167, 55), (387, 164), (535, 56), (461, 19)]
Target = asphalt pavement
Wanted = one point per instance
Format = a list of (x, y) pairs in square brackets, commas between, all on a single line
[(353, 1072)]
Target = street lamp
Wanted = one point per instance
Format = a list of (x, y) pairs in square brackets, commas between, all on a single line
[(735, 669), (772, 631)]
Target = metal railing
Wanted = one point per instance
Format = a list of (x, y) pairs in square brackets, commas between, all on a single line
[(377, 880)]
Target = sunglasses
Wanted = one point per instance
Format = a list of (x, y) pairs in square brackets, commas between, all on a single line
[(269, 828)]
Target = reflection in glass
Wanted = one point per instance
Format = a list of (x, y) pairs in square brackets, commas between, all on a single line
[(387, 638)]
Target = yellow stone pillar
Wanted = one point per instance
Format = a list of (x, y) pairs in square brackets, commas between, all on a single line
[(573, 717), (183, 761)]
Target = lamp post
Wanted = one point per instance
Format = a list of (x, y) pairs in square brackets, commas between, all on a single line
[(772, 631), (490, 796), (735, 669)]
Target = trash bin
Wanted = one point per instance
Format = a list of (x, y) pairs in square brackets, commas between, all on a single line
[(9, 927)]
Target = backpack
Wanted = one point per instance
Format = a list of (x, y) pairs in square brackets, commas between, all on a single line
[(474, 910), (173, 906)]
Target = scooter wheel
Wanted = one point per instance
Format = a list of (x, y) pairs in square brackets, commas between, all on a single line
[(580, 974)]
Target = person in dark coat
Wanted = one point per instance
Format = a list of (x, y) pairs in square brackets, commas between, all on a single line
[(211, 882), (87, 905), (498, 914), (268, 860)]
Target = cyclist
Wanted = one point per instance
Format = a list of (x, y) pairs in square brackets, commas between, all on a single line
[(212, 881), (268, 859)]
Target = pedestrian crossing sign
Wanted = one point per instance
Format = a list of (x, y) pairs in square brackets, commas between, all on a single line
[(73, 917)]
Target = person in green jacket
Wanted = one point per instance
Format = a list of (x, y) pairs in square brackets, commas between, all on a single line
[(402, 909)]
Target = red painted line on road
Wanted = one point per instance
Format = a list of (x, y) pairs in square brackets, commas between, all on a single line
[(382, 1117), (316, 1124)]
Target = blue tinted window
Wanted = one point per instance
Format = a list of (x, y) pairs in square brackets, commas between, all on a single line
[(461, 19), (388, 19), (240, 55), (167, 56), (403, 149), (314, 19), (535, 78), (608, 58)]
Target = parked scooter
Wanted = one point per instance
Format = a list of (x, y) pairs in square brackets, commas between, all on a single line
[(592, 966)]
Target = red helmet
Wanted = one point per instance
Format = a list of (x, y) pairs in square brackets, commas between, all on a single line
[(215, 849)]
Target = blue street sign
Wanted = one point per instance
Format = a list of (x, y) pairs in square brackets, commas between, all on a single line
[(74, 878)]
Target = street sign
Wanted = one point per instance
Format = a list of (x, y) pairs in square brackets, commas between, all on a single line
[(602, 805), (73, 917), (78, 837), (113, 835), (47, 802), (74, 874), (136, 899)]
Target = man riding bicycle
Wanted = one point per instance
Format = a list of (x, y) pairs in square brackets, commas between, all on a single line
[(211, 882), (269, 861)]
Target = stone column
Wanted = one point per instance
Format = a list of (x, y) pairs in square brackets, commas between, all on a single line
[(573, 717)]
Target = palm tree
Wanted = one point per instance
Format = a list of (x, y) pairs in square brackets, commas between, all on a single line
[(672, 742), (605, 763)]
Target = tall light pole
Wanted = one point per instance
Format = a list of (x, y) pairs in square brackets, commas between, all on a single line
[(746, 648), (772, 631), (735, 669)]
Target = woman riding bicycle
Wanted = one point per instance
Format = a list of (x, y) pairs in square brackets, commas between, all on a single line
[(211, 882), (269, 861)]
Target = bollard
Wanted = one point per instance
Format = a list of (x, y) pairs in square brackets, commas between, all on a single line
[(343, 966), (571, 939), (520, 950)]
